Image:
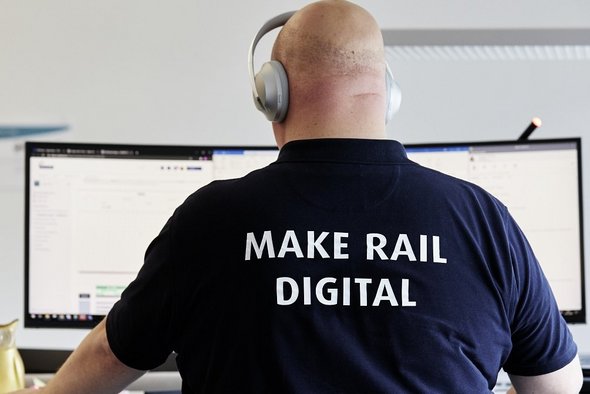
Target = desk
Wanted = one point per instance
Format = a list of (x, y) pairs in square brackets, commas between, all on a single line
[(152, 381)]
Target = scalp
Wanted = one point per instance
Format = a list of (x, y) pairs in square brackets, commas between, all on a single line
[(330, 38)]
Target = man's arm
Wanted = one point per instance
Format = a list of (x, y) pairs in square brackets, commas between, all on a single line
[(566, 380), (93, 368)]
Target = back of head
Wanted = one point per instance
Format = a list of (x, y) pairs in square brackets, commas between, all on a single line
[(332, 51)]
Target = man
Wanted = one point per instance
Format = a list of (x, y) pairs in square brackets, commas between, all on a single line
[(342, 267)]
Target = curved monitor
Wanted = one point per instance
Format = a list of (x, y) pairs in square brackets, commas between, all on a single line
[(540, 182), (92, 209)]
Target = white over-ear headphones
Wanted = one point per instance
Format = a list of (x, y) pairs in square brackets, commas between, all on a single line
[(270, 87)]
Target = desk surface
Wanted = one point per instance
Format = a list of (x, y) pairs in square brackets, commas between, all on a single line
[(151, 381)]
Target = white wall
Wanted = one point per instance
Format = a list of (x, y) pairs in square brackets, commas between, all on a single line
[(146, 71)]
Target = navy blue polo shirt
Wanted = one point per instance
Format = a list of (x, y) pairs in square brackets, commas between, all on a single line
[(342, 267)]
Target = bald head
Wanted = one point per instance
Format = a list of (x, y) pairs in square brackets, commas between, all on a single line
[(332, 51), (332, 37)]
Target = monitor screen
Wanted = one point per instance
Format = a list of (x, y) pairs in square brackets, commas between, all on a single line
[(541, 184), (91, 211)]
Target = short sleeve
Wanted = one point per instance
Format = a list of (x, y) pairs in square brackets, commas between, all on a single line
[(541, 340), (139, 324)]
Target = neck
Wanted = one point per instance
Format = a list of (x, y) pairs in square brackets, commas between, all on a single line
[(333, 114), (327, 126), (283, 136)]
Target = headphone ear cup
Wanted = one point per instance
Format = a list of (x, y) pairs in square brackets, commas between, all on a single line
[(393, 95), (272, 87)]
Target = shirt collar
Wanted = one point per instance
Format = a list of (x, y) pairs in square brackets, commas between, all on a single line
[(343, 150)]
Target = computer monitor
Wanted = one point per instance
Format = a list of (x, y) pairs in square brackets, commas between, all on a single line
[(92, 209), (540, 182)]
